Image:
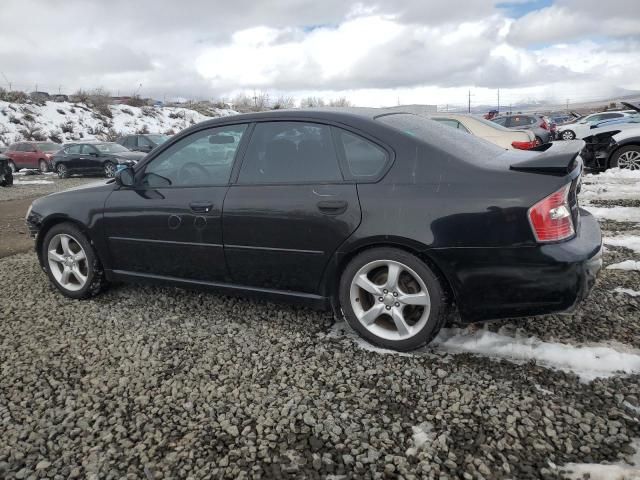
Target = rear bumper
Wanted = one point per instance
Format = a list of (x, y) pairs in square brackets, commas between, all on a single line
[(491, 283)]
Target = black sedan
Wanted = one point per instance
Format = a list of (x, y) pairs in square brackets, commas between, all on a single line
[(390, 219), (93, 158)]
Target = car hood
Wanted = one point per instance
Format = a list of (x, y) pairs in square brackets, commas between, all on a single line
[(627, 133)]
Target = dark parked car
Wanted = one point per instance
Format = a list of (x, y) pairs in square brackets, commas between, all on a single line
[(536, 123), (142, 142), (388, 218), (31, 155), (93, 158), (6, 175)]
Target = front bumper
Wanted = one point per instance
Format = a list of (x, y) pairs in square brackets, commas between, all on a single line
[(490, 283)]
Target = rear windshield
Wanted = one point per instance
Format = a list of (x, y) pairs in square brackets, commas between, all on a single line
[(48, 147), (452, 141)]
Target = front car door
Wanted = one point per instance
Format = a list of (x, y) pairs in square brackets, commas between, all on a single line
[(72, 157), (289, 209), (170, 223)]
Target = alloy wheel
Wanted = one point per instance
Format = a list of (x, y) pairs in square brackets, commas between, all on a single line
[(44, 168), (12, 167), (68, 262), (568, 135), (109, 170), (629, 160), (390, 299), (62, 171)]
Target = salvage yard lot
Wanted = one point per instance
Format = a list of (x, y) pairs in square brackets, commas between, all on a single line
[(164, 383)]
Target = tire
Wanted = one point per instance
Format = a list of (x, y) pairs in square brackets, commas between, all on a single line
[(43, 166), (13, 167), (8, 180), (371, 315), (626, 157), (538, 141), (568, 135), (110, 169), (69, 260), (62, 170)]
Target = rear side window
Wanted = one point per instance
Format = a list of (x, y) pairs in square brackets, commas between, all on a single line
[(73, 149), (290, 152), (500, 121), (606, 116), (364, 159)]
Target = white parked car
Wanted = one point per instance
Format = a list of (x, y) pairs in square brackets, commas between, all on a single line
[(490, 131), (582, 127)]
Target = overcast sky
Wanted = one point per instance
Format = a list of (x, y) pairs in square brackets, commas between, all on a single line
[(374, 53)]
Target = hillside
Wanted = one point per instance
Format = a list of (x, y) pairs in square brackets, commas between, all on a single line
[(63, 122)]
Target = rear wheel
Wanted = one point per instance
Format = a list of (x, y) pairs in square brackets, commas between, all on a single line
[(109, 169), (568, 135), (627, 157), (44, 167), (62, 170), (71, 263), (392, 299)]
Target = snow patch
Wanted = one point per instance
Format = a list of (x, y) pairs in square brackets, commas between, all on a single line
[(614, 471), (33, 182), (626, 265), (632, 242), (588, 362), (628, 291), (614, 173), (619, 214), (423, 435)]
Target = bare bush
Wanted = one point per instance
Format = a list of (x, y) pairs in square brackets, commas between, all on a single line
[(136, 101), (127, 111), (67, 127), (60, 111), (143, 130), (283, 102), (98, 98), (311, 102), (340, 102), (110, 135), (56, 136), (32, 132)]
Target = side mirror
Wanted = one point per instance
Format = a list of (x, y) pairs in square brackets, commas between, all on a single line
[(125, 177)]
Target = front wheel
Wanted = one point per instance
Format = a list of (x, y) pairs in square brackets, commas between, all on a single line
[(392, 299), (62, 170), (109, 169), (568, 135), (13, 167), (71, 263), (627, 157), (44, 167)]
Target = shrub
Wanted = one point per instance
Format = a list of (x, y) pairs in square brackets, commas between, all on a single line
[(60, 111), (56, 136), (144, 130), (28, 118), (67, 127), (32, 132), (135, 101), (110, 135), (14, 119), (127, 111)]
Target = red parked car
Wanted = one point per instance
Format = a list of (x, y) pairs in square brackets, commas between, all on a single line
[(31, 155)]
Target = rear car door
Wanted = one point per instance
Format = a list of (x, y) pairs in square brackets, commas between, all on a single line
[(90, 159), (72, 157), (289, 209), (170, 223)]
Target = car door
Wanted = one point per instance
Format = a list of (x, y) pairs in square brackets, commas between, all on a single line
[(170, 223), (90, 159), (289, 209), (15, 153), (72, 157), (29, 155)]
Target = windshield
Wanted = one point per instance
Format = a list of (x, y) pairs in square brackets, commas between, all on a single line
[(48, 147), (158, 139), (455, 142), (110, 148)]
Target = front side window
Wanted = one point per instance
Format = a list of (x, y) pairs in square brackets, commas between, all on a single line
[(73, 149), (203, 158), (88, 149), (364, 158), (144, 142), (290, 152)]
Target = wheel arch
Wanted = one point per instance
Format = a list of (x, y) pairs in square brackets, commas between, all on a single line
[(51, 222), (340, 261)]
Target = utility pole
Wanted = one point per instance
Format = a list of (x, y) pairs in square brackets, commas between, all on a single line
[(567, 105), (498, 101), (469, 108)]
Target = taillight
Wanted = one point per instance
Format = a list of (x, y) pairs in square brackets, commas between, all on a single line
[(543, 124), (550, 218), (523, 145)]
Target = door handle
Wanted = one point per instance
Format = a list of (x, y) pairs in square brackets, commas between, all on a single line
[(201, 207), (332, 207)]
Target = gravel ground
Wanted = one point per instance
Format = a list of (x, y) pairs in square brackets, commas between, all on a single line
[(146, 382), (27, 190)]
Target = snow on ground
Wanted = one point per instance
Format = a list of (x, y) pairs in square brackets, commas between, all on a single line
[(70, 122), (627, 291), (588, 362), (597, 471), (632, 242), (626, 265), (32, 182), (619, 214)]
